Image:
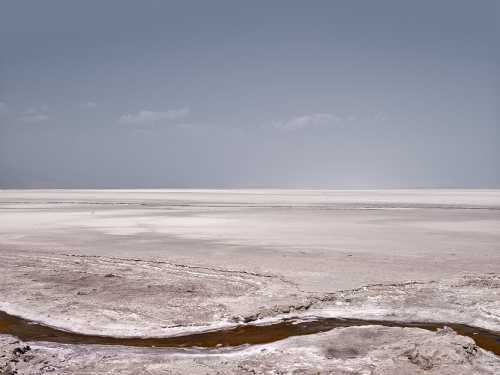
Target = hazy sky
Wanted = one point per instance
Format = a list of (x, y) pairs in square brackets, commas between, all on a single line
[(317, 94)]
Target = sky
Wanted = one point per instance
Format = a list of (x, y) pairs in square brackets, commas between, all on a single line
[(234, 94)]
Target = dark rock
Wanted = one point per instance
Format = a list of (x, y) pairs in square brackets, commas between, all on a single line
[(21, 350)]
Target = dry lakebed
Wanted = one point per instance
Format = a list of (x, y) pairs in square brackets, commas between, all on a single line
[(249, 282)]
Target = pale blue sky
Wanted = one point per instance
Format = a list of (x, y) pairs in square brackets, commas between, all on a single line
[(316, 94)]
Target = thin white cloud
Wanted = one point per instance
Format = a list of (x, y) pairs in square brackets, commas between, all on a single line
[(3, 108), (35, 115), (36, 110), (153, 117), (380, 116), (306, 121), (34, 118), (89, 105), (194, 126)]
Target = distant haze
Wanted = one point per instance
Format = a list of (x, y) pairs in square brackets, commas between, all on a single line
[(225, 94)]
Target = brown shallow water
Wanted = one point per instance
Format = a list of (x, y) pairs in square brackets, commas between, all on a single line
[(240, 335)]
